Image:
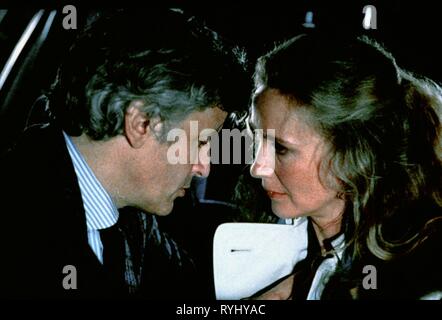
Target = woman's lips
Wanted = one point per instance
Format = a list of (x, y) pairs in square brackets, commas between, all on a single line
[(275, 195)]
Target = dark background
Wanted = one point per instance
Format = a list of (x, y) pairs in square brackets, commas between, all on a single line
[(409, 29)]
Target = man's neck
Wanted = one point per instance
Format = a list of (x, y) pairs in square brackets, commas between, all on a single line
[(102, 158)]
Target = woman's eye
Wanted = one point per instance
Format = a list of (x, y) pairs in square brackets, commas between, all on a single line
[(280, 149)]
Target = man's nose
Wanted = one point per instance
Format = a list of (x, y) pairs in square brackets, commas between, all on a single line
[(264, 162)]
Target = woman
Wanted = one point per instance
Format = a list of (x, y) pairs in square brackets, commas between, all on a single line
[(357, 154)]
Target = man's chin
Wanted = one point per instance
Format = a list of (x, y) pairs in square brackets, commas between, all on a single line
[(159, 211), (165, 210)]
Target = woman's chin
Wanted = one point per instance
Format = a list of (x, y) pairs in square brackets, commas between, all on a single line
[(285, 213)]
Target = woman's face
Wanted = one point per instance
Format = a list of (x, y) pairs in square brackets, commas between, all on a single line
[(294, 186)]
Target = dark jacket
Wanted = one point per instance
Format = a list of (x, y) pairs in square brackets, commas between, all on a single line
[(43, 229)]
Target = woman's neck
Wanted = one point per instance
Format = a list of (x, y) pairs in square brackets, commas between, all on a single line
[(326, 227)]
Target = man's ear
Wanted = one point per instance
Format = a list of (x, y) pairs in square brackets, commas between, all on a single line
[(136, 124), (138, 127)]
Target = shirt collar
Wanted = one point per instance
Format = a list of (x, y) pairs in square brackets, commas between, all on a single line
[(100, 210), (338, 245)]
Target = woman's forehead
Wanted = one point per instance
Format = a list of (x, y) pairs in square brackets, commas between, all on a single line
[(271, 110)]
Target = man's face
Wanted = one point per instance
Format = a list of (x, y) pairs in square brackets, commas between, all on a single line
[(156, 180)]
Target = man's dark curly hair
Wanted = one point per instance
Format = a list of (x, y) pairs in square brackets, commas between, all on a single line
[(170, 62)]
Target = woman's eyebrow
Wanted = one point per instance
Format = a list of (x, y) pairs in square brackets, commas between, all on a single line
[(281, 141), (265, 135)]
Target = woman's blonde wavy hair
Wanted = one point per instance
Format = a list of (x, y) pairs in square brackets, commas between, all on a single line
[(383, 127)]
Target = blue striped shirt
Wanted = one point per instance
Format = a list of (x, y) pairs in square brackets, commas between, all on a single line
[(100, 210)]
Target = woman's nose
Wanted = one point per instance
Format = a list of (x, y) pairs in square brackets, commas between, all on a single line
[(264, 162)]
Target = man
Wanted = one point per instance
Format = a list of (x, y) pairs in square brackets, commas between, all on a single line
[(128, 81)]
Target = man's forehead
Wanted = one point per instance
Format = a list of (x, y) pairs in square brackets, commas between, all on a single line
[(212, 118)]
